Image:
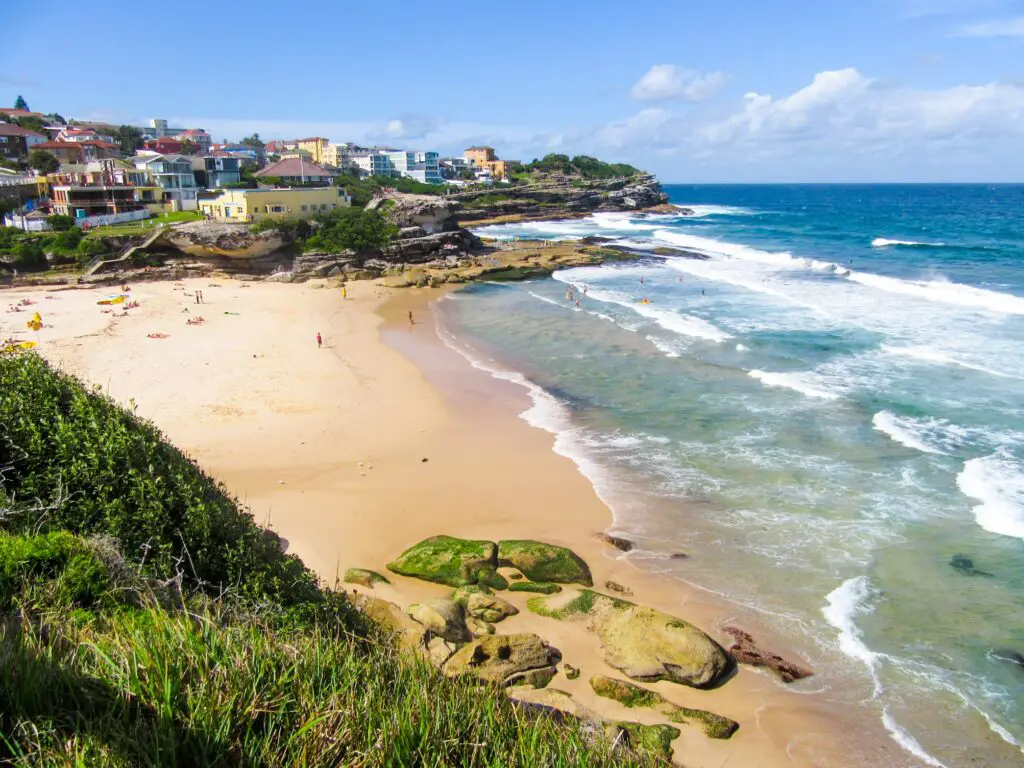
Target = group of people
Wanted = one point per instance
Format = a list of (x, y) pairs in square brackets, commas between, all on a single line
[(574, 294)]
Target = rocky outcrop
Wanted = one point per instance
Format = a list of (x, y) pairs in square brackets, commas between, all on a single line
[(205, 239), (631, 695), (646, 644), (420, 250), (483, 606), (563, 198), (542, 562), (508, 660), (393, 620), (625, 545), (443, 618), (428, 213), (643, 643), (746, 651)]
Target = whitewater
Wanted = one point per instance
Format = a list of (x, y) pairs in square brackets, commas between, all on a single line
[(819, 391)]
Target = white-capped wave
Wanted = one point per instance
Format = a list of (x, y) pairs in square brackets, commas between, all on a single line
[(793, 381), (842, 607), (945, 292), (670, 320), (663, 346), (701, 210), (881, 242), (904, 431), (997, 481), (931, 355)]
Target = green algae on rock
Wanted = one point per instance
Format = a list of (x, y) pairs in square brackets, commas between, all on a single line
[(544, 588), (452, 561), (544, 562), (364, 577), (648, 738), (632, 696)]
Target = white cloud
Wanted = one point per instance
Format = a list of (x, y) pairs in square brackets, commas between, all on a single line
[(994, 28), (666, 82), (842, 125)]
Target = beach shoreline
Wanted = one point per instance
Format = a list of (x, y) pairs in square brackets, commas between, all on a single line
[(387, 436)]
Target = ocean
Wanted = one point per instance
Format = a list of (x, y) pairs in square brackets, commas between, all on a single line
[(821, 401)]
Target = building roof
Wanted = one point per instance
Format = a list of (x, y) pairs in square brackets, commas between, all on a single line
[(60, 145), (9, 129), (314, 138), (193, 132), (470, 149), (96, 143), (293, 166)]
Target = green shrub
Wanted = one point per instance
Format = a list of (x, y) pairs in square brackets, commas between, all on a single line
[(57, 568), (115, 475)]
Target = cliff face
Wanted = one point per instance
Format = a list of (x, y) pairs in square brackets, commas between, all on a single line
[(560, 199)]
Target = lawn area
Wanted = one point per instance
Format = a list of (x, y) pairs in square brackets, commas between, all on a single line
[(145, 226)]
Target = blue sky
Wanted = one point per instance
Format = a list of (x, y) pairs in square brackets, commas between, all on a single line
[(742, 91)]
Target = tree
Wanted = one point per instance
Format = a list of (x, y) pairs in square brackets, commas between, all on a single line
[(253, 141), (353, 229), (30, 123), (20, 103), (130, 139), (56, 117), (44, 162), (189, 147)]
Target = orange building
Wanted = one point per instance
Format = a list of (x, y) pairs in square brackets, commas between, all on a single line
[(484, 157)]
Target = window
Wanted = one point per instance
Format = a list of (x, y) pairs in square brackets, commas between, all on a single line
[(277, 209), (303, 209)]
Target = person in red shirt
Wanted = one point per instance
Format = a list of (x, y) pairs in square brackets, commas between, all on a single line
[(319, 339)]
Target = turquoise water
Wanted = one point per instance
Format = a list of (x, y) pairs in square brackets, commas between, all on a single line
[(824, 411)]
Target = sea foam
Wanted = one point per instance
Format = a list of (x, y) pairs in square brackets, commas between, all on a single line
[(904, 431), (794, 381), (881, 242), (997, 481)]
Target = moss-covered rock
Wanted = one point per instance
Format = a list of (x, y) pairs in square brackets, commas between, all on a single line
[(364, 577), (451, 561), (571, 672), (630, 695), (544, 562), (585, 604), (656, 739), (544, 588)]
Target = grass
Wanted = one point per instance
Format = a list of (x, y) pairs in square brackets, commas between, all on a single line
[(144, 226), (197, 642), (152, 687)]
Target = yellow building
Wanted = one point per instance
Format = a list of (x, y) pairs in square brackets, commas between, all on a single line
[(315, 146), (479, 155), (243, 205)]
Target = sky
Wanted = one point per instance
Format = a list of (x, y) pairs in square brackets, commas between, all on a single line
[(730, 91)]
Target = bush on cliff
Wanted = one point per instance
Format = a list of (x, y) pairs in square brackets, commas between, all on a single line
[(106, 663), (581, 165)]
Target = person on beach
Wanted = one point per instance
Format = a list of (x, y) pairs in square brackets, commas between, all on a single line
[(319, 340), (641, 281), (411, 321), (344, 292)]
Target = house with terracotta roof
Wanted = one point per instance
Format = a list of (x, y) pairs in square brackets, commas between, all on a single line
[(165, 145), (296, 170), (197, 136), (79, 151), (16, 142), (83, 135)]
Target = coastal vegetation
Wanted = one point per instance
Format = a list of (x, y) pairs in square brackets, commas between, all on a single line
[(352, 229), (580, 166), (147, 620)]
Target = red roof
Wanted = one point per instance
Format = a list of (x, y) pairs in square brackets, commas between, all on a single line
[(293, 166), (9, 129), (59, 145), (193, 132), (95, 143)]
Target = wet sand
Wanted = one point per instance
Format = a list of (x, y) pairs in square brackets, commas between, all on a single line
[(327, 447)]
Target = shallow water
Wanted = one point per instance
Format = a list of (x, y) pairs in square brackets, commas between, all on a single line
[(822, 414)]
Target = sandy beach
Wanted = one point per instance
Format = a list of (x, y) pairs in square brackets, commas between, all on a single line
[(383, 437)]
